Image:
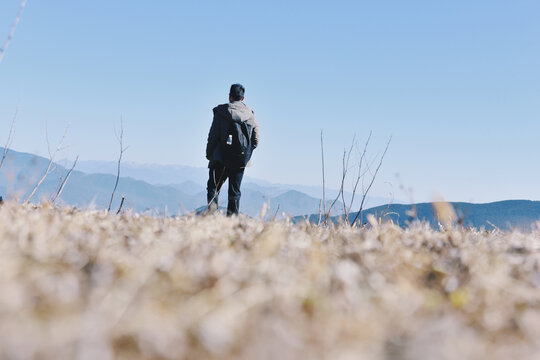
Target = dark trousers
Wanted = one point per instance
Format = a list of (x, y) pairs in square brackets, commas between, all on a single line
[(217, 176)]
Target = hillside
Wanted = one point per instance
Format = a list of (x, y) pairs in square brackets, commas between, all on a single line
[(504, 215), (87, 285), (189, 176), (21, 171)]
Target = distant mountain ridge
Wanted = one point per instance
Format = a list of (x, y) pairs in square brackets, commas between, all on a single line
[(178, 175), (21, 171), (504, 215)]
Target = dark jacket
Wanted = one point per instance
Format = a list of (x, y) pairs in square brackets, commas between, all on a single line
[(223, 115)]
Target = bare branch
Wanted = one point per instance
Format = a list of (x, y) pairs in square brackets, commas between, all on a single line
[(49, 151), (120, 138), (344, 173), (51, 162), (358, 177), (365, 193), (63, 183), (12, 31), (210, 206), (353, 143), (346, 158), (9, 138)]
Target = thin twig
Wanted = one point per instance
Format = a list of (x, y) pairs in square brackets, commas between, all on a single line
[(63, 184), (365, 193), (218, 185), (122, 203), (344, 173), (9, 138), (51, 162), (12, 31), (275, 214), (359, 176), (49, 151), (346, 157), (122, 150), (343, 179), (323, 180), (320, 212), (495, 227)]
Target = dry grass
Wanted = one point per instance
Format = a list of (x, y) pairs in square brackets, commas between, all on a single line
[(86, 285)]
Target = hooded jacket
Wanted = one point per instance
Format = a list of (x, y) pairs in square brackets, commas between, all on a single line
[(223, 115)]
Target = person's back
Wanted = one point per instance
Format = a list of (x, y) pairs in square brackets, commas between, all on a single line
[(233, 136)]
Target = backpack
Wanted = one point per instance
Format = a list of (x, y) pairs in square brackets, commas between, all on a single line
[(237, 147)]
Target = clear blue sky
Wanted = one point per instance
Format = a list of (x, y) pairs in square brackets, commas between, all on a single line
[(456, 83)]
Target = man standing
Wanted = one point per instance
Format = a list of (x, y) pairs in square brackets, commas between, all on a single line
[(232, 138)]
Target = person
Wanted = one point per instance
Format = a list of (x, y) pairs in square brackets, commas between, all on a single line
[(233, 136)]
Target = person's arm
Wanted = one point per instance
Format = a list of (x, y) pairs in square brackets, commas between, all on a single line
[(255, 136), (213, 137)]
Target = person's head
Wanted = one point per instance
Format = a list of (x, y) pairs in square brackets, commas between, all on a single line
[(236, 93)]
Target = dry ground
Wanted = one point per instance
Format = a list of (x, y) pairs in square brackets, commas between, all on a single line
[(86, 285)]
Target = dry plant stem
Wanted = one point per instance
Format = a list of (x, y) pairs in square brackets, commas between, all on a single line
[(63, 184), (9, 138), (50, 154), (323, 180), (366, 191), (51, 163), (359, 176), (122, 150), (217, 190), (346, 158), (275, 214), (122, 203), (495, 227), (346, 166), (327, 214), (12, 31), (320, 212)]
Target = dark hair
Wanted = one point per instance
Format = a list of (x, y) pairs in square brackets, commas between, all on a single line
[(237, 92)]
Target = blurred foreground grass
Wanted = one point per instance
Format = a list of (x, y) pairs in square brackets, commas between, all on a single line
[(86, 285)]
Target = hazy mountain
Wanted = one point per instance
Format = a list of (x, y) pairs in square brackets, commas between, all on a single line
[(190, 187), (177, 176), (21, 172), (151, 173), (505, 215)]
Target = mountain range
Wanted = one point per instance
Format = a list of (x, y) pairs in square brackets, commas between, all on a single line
[(189, 178), (163, 188), (174, 189), (522, 215)]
